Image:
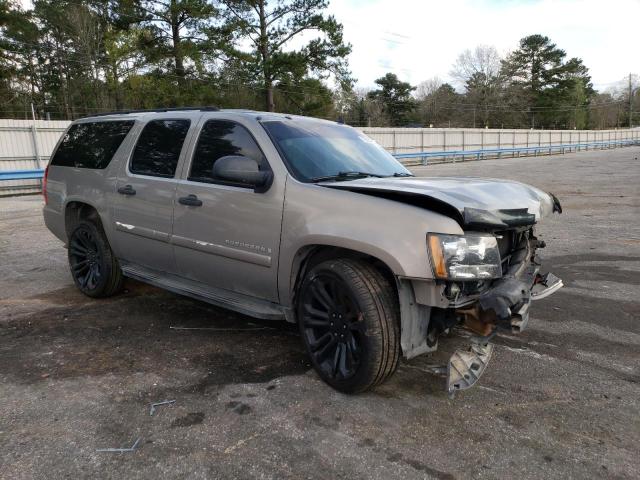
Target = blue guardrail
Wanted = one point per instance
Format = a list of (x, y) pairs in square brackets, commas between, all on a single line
[(21, 174), (479, 154)]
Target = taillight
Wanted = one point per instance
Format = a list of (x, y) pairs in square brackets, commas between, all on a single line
[(44, 184)]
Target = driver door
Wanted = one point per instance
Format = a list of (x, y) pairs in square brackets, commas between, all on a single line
[(225, 235)]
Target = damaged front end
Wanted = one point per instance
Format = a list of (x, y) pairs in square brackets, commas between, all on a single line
[(479, 307), (484, 279)]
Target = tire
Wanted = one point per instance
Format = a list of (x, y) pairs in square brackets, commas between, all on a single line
[(93, 266), (348, 316)]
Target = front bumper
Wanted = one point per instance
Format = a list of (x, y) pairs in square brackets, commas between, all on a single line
[(504, 306), (432, 309)]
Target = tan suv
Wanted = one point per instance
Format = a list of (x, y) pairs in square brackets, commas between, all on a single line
[(284, 217)]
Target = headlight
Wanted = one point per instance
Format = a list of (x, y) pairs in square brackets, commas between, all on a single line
[(468, 257)]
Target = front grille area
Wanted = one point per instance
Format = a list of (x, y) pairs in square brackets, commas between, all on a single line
[(510, 243)]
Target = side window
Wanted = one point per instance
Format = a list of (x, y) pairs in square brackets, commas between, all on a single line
[(220, 138), (158, 148), (91, 145)]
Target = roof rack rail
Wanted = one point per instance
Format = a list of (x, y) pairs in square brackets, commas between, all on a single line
[(154, 110)]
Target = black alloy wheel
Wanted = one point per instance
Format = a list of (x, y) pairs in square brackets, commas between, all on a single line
[(348, 316), (85, 259), (333, 326), (94, 268)]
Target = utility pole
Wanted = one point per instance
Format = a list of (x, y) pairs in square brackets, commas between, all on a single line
[(630, 102)]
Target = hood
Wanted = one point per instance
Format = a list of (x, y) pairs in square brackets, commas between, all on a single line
[(481, 203)]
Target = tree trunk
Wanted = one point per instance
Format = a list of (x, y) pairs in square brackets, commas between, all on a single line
[(116, 86), (175, 36), (177, 54), (64, 79), (264, 52), (269, 97)]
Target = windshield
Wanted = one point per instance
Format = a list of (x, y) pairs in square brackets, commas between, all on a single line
[(316, 151)]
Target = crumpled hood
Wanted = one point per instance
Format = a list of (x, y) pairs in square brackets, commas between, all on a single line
[(478, 201)]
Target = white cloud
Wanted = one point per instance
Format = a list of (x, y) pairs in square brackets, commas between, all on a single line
[(418, 39)]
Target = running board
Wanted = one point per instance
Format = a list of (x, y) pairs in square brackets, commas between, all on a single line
[(244, 304)]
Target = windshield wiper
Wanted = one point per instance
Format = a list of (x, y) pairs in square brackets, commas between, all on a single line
[(346, 176), (403, 174)]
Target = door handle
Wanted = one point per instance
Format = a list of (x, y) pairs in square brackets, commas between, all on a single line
[(190, 200), (127, 190)]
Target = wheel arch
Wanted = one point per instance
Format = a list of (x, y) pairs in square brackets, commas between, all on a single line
[(76, 211), (308, 256)]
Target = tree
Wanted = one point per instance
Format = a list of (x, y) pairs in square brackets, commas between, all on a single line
[(76, 57), (604, 111), (479, 71), (426, 99), (173, 31), (269, 32), (395, 97), (355, 107), (19, 76), (555, 88), (482, 62), (535, 65), (305, 96), (612, 106), (428, 88)]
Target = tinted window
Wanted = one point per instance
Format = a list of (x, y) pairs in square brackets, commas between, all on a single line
[(220, 138), (158, 148), (313, 148), (90, 145)]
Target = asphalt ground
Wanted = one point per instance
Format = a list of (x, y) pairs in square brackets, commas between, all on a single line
[(561, 400)]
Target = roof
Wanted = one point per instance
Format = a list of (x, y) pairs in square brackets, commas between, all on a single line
[(155, 110), (253, 113)]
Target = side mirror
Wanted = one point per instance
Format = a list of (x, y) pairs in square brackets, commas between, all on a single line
[(239, 169)]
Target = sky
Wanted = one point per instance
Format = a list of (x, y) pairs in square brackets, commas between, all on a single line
[(420, 39)]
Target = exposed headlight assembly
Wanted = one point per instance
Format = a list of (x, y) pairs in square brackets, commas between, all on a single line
[(464, 257)]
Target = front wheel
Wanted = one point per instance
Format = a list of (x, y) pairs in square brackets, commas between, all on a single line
[(94, 268), (349, 320)]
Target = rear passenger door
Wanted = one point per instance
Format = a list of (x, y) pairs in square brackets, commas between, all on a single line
[(230, 238), (146, 184)]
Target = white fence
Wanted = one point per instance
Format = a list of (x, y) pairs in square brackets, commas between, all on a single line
[(27, 145), (412, 140)]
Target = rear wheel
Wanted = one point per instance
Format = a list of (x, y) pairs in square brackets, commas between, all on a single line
[(94, 268), (348, 316)]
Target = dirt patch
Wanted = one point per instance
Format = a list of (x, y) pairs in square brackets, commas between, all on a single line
[(190, 419), (104, 337)]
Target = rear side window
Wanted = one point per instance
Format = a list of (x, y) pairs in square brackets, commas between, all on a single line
[(220, 138), (158, 148), (91, 145)]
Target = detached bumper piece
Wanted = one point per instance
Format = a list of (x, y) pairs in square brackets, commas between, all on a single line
[(467, 366), (545, 285)]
